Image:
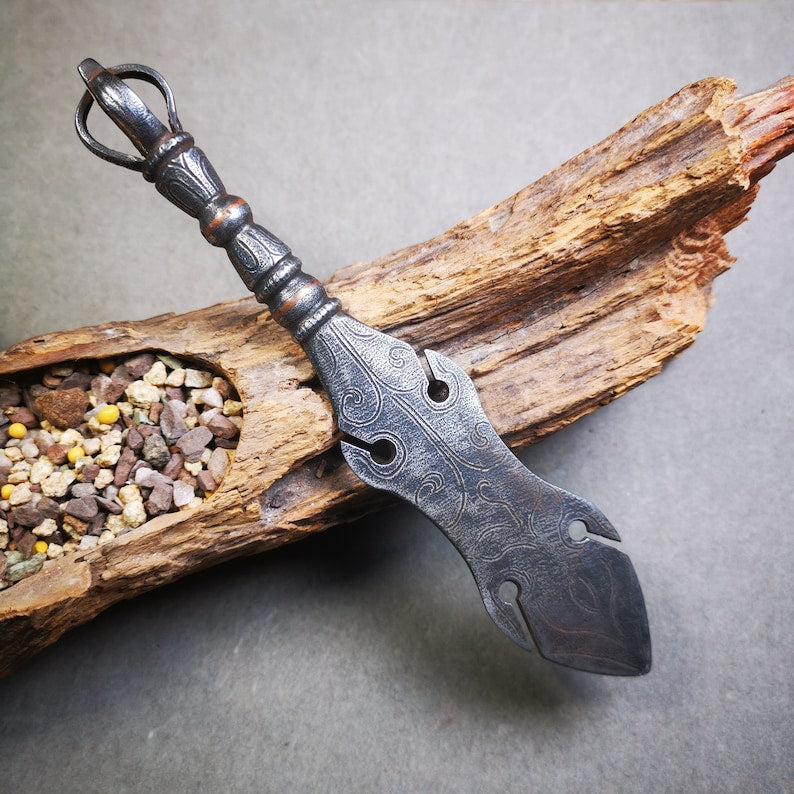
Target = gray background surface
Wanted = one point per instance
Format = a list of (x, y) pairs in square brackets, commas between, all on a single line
[(362, 660)]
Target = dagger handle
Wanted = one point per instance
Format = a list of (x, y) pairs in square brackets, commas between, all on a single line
[(184, 175)]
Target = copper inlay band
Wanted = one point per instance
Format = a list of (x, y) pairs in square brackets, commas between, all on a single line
[(290, 302), (223, 214)]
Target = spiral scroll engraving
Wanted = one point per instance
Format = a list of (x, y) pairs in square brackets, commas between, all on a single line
[(577, 598)]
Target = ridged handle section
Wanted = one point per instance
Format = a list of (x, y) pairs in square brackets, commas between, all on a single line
[(185, 176)]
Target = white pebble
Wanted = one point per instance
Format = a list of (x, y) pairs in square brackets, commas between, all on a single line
[(218, 464), (193, 468), (197, 379), (183, 493), (142, 394), (57, 484), (110, 439), (55, 550), (156, 374), (45, 528), (42, 438), (134, 513), (110, 457), (14, 454), (212, 397), (71, 438), (103, 479), (125, 408), (91, 446), (5, 462), (207, 415), (176, 378), (82, 462), (195, 502), (115, 523), (88, 542), (105, 536), (29, 449), (129, 493), (20, 495), (19, 476), (205, 456)]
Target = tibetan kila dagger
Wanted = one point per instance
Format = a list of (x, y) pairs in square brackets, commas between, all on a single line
[(425, 439)]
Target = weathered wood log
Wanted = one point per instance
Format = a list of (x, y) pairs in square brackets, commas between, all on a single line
[(556, 301)]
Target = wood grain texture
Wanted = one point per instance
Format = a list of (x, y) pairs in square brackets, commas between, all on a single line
[(555, 301)]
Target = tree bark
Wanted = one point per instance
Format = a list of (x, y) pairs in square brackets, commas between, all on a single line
[(556, 301)]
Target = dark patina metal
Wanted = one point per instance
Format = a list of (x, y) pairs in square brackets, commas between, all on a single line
[(576, 599)]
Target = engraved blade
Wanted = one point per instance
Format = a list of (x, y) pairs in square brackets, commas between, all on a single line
[(579, 599)]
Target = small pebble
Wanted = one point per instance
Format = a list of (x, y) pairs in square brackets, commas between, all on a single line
[(139, 364), (193, 443), (176, 377), (109, 457), (206, 481), (197, 379), (57, 484), (28, 516), (20, 495), (21, 570), (17, 430), (155, 451), (64, 408), (88, 542), (182, 493), (123, 467), (108, 505), (103, 479), (74, 454), (156, 374), (142, 394), (134, 513), (84, 508), (81, 489), (46, 528)]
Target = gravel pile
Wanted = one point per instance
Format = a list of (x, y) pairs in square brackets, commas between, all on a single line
[(93, 449)]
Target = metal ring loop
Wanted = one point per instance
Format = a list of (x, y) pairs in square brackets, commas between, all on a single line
[(126, 70)]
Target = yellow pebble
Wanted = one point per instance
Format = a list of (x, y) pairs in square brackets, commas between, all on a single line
[(17, 430), (108, 415), (107, 365), (6, 490), (40, 546), (74, 454)]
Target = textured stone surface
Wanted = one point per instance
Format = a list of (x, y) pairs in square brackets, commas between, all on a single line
[(64, 408)]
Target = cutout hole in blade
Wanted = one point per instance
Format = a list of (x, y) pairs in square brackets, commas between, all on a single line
[(508, 592), (577, 530), (382, 451), (437, 390)]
